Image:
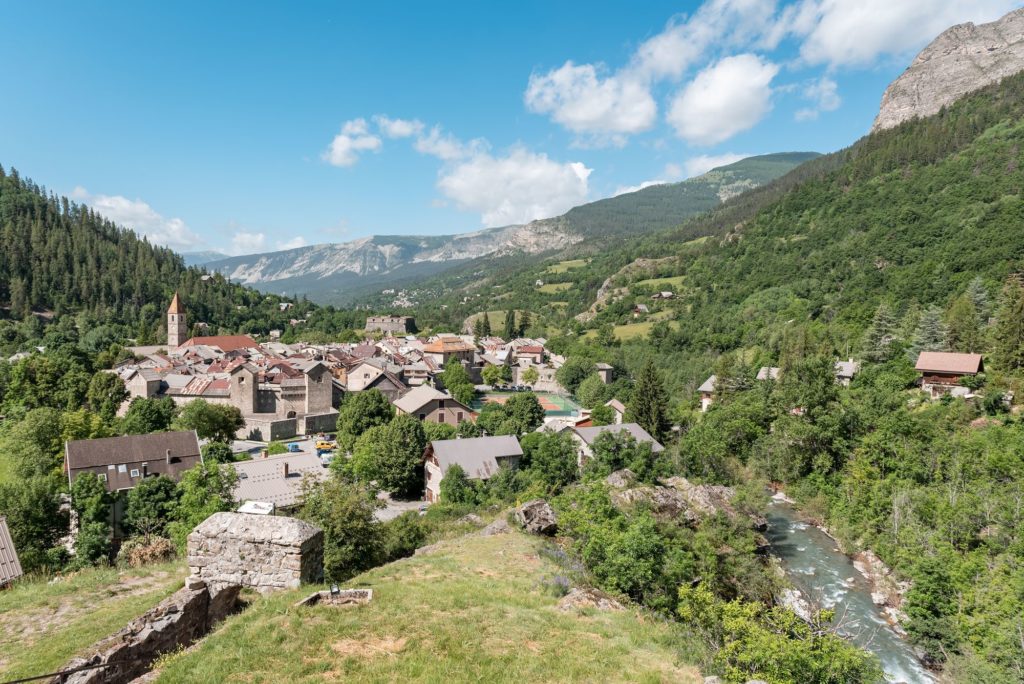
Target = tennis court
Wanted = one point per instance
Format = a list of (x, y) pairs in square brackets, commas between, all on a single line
[(553, 404)]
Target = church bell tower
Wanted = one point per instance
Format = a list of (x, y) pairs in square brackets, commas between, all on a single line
[(176, 327)]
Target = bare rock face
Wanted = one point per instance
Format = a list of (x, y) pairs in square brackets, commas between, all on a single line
[(537, 517), (499, 526), (962, 59)]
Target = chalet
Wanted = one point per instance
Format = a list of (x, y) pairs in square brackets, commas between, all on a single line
[(10, 566), (768, 373), (665, 294), (941, 372), (845, 370), (640, 310), (532, 353), (277, 480), (585, 436), (604, 371), (480, 457), (433, 406), (707, 393), (123, 462)]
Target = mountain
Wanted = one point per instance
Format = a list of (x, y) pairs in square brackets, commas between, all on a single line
[(340, 272), (962, 59), (200, 258)]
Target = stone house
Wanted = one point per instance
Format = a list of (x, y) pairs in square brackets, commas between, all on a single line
[(845, 370), (433, 406), (448, 346), (480, 457), (707, 393)]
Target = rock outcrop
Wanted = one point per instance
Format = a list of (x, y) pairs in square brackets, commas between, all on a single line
[(537, 517), (266, 552), (962, 59), (581, 598)]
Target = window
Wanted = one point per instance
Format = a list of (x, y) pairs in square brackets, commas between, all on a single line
[(103, 476), (122, 469), (440, 416), (423, 416), (135, 472), (110, 467), (459, 417)]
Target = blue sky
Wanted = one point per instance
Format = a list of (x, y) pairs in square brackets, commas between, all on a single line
[(248, 127)]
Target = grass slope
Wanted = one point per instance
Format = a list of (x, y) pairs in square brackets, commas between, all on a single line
[(474, 610), (43, 625)]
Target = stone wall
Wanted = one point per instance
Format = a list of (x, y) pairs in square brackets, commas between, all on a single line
[(176, 622), (265, 552)]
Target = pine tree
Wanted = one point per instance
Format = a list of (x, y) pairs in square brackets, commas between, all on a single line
[(930, 333), (485, 326), (964, 325), (1009, 328), (649, 406), (879, 338), (510, 324), (978, 294), (524, 323)]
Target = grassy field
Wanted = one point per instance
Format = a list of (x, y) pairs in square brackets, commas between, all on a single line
[(497, 319), (673, 283), (474, 611), (554, 288), (44, 625), (631, 330), (563, 266)]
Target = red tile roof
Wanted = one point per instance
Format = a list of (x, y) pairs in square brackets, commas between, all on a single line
[(226, 343)]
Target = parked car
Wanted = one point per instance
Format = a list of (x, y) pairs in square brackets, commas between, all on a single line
[(293, 447), (324, 445)]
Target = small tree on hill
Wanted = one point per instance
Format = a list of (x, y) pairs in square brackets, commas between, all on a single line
[(217, 422), (1009, 328), (649, 405), (964, 326), (390, 455), (92, 502), (524, 323), (456, 486), (151, 505), (485, 326), (204, 489), (345, 512), (930, 334)]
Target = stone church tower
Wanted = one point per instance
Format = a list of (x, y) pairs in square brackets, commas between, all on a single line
[(177, 330)]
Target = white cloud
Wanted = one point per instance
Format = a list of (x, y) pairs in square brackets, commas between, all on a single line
[(447, 147), (724, 99), (624, 189), (398, 128), (585, 102), (355, 137), (142, 218), (244, 242), (824, 93), (701, 164), (515, 188), (673, 171), (294, 243), (844, 33)]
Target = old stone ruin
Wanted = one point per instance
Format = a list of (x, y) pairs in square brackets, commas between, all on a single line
[(226, 552)]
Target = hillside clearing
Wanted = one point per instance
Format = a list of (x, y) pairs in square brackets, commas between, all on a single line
[(474, 610), (670, 282), (43, 625), (563, 266), (632, 330), (554, 288)]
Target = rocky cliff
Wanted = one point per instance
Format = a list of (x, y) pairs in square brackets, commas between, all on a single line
[(962, 59)]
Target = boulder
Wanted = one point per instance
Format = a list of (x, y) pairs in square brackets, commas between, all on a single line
[(537, 517), (664, 503), (621, 479), (472, 519), (585, 597), (499, 526)]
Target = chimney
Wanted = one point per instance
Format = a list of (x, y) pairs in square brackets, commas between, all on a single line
[(168, 457), (284, 469)]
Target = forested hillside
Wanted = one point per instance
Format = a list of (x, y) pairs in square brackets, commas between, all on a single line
[(61, 258)]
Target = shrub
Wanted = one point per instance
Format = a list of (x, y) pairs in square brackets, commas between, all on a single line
[(138, 551)]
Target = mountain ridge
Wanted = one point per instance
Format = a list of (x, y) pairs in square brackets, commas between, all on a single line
[(330, 271)]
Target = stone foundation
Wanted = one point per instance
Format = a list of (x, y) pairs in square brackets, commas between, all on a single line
[(176, 622), (264, 552)]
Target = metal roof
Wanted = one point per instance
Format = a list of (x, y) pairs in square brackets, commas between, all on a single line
[(589, 434), (709, 385), (478, 456), (263, 479), (10, 567), (949, 362)]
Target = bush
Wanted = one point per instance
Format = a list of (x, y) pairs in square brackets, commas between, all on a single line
[(457, 488), (138, 551)]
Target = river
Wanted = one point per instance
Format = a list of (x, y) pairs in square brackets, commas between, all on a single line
[(827, 578)]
